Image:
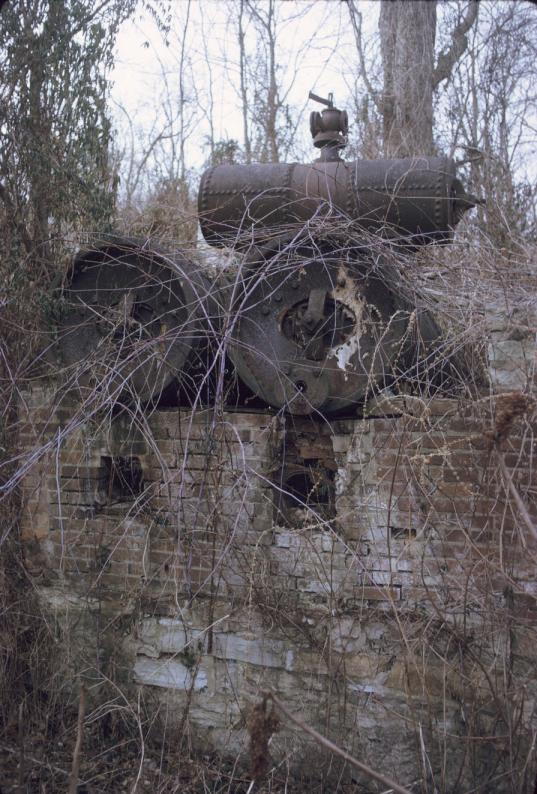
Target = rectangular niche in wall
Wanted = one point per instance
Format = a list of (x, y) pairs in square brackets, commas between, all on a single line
[(120, 480), (304, 495)]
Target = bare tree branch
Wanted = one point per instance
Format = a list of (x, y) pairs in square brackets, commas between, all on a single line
[(26, 239), (73, 778), (243, 88), (386, 781), (356, 21), (522, 509), (459, 43)]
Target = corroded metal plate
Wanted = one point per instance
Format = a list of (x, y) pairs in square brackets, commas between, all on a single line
[(129, 321), (317, 332)]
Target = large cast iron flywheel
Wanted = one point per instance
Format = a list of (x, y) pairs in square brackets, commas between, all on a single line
[(317, 329), (130, 321)]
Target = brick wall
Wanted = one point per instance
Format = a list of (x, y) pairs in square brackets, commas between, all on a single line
[(375, 573)]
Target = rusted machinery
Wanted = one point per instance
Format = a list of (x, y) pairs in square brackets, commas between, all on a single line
[(315, 327), (418, 199), (312, 316), (132, 320), (319, 322)]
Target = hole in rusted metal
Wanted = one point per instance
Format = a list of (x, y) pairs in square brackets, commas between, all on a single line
[(335, 327)]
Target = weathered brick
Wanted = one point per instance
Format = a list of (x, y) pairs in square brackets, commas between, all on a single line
[(287, 587)]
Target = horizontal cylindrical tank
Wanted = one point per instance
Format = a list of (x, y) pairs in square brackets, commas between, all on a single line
[(419, 197)]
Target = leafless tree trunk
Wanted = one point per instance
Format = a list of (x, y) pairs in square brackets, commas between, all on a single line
[(272, 97), (40, 131), (267, 100), (209, 110), (407, 38), (243, 88), (182, 100), (407, 43)]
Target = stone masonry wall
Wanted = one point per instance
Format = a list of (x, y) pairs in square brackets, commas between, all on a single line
[(374, 573)]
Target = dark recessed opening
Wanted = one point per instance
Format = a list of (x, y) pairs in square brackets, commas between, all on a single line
[(402, 533), (333, 327), (307, 488), (120, 479), (185, 390), (301, 386), (305, 494)]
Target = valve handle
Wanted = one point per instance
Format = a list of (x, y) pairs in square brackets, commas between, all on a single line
[(329, 103)]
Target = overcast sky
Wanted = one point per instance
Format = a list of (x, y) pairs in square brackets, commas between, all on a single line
[(316, 47), (316, 51)]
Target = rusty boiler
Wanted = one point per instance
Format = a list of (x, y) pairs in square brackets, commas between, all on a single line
[(312, 315), (316, 316)]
